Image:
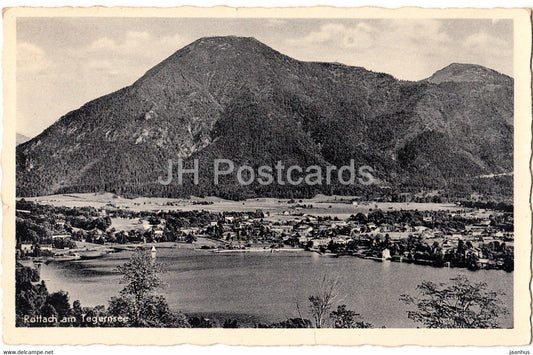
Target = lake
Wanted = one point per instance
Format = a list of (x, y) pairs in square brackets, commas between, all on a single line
[(269, 286)]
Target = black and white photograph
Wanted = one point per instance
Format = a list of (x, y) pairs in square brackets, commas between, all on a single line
[(260, 172)]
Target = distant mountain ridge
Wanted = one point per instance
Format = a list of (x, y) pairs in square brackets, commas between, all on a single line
[(20, 138), (458, 72), (236, 98)]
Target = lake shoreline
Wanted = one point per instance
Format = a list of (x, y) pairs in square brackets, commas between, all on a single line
[(115, 248)]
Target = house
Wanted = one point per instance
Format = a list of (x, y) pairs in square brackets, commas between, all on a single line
[(303, 240), (323, 227), (191, 230), (344, 237), (281, 229), (339, 224), (59, 236), (398, 235), (96, 232), (26, 247), (319, 242), (485, 263), (486, 239), (476, 234), (47, 247), (385, 254), (339, 241), (304, 229), (386, 228)]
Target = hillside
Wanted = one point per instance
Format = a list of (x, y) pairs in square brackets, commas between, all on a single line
[(238, 99)]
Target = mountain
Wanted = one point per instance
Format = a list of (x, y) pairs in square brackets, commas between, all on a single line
[(20, 138), (458, 72), (238, 99)]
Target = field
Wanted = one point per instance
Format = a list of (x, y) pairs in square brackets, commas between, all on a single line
[(278, 209)]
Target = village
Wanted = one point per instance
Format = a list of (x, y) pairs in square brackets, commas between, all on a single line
[(467, 237)]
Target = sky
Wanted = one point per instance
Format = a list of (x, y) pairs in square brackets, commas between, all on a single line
[(63, 63)]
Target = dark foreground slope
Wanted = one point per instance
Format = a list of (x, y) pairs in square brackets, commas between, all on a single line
[(238, 99)]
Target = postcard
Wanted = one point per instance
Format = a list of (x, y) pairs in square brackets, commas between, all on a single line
[(266, 176)]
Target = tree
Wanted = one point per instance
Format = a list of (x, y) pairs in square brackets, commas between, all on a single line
[(101, 223), (138, 300), (92, 313), (190, 238), (77, 311), (230, 323), (321, 302), (48, 311), (140, 276), (345, 318), (201, 322), (459, 305), (154, 312), (59, 300), (292, 323), (30, 299)]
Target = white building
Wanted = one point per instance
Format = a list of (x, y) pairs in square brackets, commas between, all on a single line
[(26, 247)]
